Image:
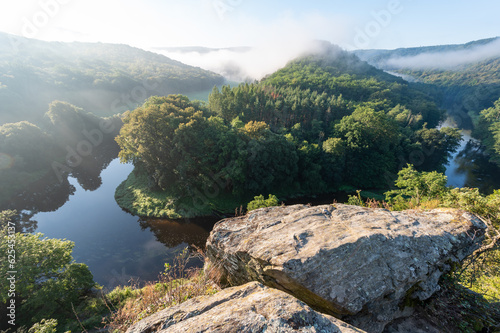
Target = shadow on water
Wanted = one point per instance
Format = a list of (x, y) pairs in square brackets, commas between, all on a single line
[(476, 168), (171, 233), (470, 167), (117, 246)]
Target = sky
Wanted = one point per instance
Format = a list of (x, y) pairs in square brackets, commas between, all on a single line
[(222, 23)]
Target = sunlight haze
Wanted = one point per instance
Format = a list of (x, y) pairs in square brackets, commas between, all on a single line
[(224, 23)]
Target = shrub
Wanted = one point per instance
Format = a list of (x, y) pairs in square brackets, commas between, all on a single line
[(260, 202)]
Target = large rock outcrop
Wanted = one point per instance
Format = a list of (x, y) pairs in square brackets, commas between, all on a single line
[(362, 265), (248, 308)]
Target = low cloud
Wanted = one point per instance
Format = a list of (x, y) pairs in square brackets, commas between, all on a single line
[(246, 63), (447, 59)]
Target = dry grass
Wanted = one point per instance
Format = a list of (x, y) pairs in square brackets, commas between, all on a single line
[(430, 204), (176, 285)]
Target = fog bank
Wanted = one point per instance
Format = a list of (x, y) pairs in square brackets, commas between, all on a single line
[(447, 59)]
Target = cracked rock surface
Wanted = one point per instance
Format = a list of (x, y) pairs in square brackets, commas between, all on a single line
[(359, 264), (248, 308)]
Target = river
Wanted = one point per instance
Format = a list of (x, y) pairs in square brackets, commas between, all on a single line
[(117, 246), (470, 167)]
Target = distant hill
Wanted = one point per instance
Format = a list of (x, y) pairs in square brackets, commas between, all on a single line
[(333, 71), (101, 78), (468, 75), (201, 49)]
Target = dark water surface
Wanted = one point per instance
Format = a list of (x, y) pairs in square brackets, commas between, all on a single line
[(116, 245), (470, 167)]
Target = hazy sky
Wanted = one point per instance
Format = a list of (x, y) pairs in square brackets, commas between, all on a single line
[(221, 23)]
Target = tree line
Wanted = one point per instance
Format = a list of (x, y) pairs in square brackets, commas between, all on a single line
[(294, 132)]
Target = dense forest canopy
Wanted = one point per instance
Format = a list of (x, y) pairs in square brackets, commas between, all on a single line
[(466, 75), (488, 130), (323, 121), (102, 78)]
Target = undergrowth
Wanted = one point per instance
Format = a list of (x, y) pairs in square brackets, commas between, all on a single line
[(120, 308), (176, 285)]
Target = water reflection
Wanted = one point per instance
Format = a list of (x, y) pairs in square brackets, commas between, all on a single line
[(470, 167), (171, 233), (49, 193), (479, 172), (117, 246)]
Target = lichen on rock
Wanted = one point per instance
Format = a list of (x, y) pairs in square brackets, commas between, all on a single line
[(351, 262)]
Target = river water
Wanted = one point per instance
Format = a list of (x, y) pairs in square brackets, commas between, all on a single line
[(117, 246), (470, 167)]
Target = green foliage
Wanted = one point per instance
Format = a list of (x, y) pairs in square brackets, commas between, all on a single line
[(373, 119), (31, 155), (488, 130), (47, 279), (260, 202), (44, 326), (473, 201), (320, 123), (189, 153), (138, 195), (176, 143), (356, 200), (420, 186), (26, 154), (372, 145), (436, 146), (104, 78)]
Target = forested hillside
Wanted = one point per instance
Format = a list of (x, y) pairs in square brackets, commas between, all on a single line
[(35, 160), (101, 78), (467, 75), (488, 130), (323, 122)]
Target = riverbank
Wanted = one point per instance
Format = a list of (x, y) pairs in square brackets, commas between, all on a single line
[(135, 195)]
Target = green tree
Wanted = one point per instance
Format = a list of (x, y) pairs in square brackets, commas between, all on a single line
[(418, 185), (334, 161), (488, 130), (437, 146), (260, 202), (371, 143), (47, 279), (44, 326)]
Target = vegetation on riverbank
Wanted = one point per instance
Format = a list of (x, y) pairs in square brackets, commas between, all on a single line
[(54, 294), (36, 160), (488, 131), (136, 195), (323, 122)]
